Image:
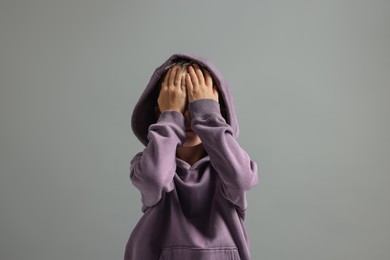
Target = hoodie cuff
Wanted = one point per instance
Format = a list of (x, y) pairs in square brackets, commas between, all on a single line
[(172, 116), (204, 107)]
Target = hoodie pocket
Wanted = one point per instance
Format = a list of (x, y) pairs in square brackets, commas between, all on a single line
[(188, 253)]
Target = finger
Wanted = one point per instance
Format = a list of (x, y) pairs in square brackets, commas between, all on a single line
[(179, 73), (192, 74), (208, 78), (183, 83), (172, 77), (199, 74), (166, 78), (189, 85)]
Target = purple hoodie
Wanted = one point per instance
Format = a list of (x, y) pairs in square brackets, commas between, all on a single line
[(190, 212)]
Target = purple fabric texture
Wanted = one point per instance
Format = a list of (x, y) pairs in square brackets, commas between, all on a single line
[(190, 212)]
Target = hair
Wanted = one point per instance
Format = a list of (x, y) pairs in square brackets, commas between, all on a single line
[(184, 63)]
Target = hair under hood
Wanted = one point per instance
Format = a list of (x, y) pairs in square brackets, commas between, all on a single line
[(144, 114)]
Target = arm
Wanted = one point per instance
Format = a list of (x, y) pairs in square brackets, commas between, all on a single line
[(236, 171), (152, 170)]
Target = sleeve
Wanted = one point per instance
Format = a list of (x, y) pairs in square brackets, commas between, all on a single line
[(153, 169), (237, 172)]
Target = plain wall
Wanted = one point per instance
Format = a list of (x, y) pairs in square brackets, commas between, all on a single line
[(311, 83)]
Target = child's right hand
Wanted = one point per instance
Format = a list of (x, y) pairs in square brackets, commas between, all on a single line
[(173, 93)]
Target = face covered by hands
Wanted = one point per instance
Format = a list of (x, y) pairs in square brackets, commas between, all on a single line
[(181, 87)]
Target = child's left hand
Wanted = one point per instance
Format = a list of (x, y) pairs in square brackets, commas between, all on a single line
[(200, 85)]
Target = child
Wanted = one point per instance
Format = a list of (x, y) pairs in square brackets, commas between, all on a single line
[(193, 176)]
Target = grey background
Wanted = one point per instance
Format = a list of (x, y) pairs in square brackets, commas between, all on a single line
[(311, 82)]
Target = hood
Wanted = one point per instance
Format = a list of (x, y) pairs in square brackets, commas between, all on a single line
[(144, 114)]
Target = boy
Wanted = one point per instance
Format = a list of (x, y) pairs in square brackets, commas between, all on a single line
[(193, 175)]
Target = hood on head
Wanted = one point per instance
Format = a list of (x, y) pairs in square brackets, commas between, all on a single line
[(144, 110)]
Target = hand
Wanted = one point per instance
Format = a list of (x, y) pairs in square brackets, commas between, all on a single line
[(200, 84), (173, 93)]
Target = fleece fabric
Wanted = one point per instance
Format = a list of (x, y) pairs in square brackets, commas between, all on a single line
[(190, 211)]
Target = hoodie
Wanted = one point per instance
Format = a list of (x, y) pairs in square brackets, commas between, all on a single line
[(190, 211)]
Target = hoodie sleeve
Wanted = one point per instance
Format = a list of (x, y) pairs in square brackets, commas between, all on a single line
[(236, 171), (152, 171)]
